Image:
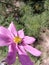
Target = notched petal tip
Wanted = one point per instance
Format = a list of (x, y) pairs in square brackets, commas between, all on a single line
[(28, 40), (12, 22), (12, 29), (21, 33), (39, 53), (32, 50)]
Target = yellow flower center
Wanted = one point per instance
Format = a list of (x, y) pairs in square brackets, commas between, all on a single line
[(17, 40)]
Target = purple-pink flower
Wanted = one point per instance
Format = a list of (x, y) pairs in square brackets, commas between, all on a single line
[(17, 44)]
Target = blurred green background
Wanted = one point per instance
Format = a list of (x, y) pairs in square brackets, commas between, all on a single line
[(30, 15)]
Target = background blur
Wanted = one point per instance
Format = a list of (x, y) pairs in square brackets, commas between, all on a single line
[(32, 16)]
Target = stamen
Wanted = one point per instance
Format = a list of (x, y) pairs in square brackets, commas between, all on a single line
[(17, 40)]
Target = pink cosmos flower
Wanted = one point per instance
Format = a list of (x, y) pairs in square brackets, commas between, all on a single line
[(17, 44)]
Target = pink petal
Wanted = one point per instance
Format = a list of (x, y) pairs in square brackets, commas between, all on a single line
[(5, 31), (23, 57), (21, 33), (32, 50), (28, 40), (11, 55), (12, 28), (4, 40)]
